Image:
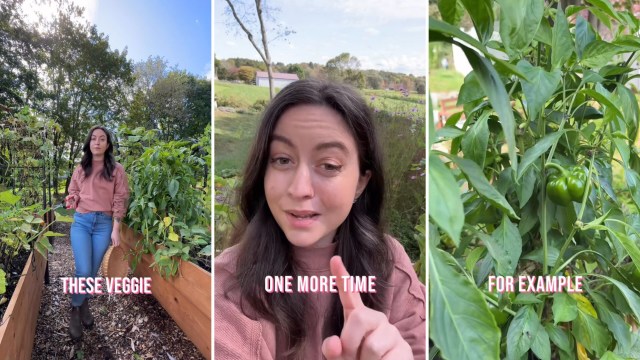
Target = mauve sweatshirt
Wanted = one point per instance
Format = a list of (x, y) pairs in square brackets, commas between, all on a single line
[(94, 193), (239, 337)]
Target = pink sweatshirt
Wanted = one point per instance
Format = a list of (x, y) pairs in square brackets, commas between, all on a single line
[(94, 193), (239, 337)]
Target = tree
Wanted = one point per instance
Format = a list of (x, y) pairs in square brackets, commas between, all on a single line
[(246, 19), (85, 82), (341, 66), (167, 103), (19, 48), (148, 72), (296, 69), (247, 74)]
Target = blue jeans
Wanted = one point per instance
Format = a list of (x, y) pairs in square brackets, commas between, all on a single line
[(90, 239)]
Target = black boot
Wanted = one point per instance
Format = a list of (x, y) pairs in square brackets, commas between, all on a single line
[(75, 327), (85, 314)]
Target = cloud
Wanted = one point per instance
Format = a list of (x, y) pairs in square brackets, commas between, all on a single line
[(372, 31), (406, 64), (373, 11)]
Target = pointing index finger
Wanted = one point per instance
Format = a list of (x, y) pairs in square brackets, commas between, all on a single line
[(349, 300)]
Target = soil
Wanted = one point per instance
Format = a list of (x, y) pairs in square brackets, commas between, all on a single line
[(126, 326), (16, 265)]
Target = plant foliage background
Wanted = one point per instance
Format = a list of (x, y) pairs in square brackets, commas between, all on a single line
[(547, 88)]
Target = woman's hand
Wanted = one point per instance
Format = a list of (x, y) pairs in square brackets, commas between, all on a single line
[(71, 201), (115, 236), (367, 333)]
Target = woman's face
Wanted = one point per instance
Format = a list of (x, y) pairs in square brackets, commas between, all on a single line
[(312, 175), (98, 144)]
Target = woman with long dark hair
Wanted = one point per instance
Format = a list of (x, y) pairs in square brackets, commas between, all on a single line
[(313, 188), (98, 192)]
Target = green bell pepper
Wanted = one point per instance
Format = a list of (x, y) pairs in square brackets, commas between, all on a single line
[(567, 185)]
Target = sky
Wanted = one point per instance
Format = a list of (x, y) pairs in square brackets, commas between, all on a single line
[(179, 31), (387, 35)]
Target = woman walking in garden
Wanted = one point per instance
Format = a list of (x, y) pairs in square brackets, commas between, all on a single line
[(98, 192), (313, 188)]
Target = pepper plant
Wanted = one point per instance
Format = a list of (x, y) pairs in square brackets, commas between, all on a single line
[(166, 205), (537, 176)]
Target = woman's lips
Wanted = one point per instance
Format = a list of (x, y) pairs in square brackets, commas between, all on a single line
[(302, 219)]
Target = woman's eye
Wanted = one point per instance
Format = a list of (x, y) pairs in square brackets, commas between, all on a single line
[(280, 161), (333, 168)]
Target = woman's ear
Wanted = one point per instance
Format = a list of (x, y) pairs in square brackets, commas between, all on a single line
[(362, 182)]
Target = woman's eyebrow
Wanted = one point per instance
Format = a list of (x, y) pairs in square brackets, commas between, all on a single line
[(322, 146), (332, 144), (276, 137)]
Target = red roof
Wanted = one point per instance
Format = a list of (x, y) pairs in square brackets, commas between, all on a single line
[(282, 76)]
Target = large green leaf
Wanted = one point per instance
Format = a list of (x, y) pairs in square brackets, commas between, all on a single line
[(591, 333), (481, 13), (606, 7), (630, 108), (603, 100), (584, 35), (519, 21), (632, 298), (522, 332), (541, 346), (470, 90), (475, 140), (445, 205), (174, 186), (533, 153), (494, 88), (562, 43), (460, 322), (560, 337), (599, 53), (538, 87), (565, 308), (451, 11), (616, 324), (630, 247), (476, 178), (634, 351), (524, 189), (8, 197), (505, 246)]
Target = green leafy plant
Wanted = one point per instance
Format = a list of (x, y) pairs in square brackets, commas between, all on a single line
[(166, 204), (548, 90)]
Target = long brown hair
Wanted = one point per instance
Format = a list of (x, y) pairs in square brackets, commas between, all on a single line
[(360, 240), (109, 159)]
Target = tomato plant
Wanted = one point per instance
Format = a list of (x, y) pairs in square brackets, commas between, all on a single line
[(547, 92)]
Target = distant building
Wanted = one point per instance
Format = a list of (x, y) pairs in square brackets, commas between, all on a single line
[(280, 80)]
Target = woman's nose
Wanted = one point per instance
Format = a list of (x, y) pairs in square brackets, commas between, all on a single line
[(301, 185)]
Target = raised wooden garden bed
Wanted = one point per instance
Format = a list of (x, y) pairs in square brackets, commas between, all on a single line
[(19, 321), (186, 297)]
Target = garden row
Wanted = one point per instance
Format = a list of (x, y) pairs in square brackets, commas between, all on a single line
[(167, 234)]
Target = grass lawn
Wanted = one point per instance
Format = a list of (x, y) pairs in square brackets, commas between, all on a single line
[(233, 137), (441, 80), (245, 95)]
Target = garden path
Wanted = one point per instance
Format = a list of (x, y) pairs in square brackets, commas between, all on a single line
[(126, 326)]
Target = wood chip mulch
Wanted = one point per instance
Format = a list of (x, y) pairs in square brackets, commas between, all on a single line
[(126, 326)]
